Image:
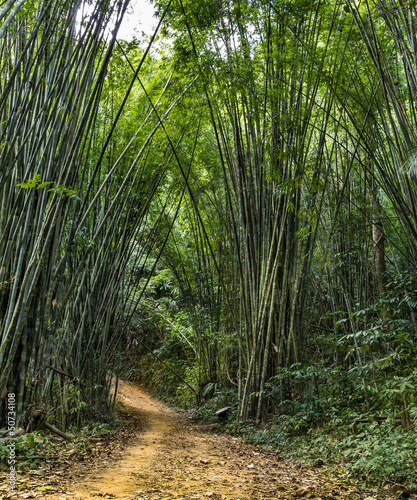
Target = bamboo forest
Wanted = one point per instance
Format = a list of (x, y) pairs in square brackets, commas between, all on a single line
[(223, 213)]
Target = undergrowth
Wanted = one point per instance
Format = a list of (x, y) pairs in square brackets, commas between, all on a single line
[(372, 451), (34, 449), (30, 449)]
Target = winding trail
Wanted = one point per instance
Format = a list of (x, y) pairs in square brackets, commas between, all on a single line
[(123, 478), (171, 458)]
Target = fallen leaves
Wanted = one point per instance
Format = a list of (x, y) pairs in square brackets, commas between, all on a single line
[(305, 493), (400, 491), (186, 463), (43, 488)]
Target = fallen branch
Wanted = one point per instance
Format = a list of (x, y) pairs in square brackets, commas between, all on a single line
[(56, 431)]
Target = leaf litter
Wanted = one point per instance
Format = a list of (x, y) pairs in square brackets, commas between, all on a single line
[(164, 456)]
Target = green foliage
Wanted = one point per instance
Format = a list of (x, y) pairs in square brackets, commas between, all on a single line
[(34, 183), (65, 191), (28, 448), (220, 398), (38, 184), (375, 451), (101, 428), (316, 417), (382, 450)]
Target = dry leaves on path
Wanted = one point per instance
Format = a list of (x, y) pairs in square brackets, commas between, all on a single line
[(171, 458)]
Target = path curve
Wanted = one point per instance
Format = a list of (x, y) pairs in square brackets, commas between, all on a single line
[(172, 459), (122, 479)]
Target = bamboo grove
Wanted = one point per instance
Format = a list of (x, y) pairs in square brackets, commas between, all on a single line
[(239, 203)]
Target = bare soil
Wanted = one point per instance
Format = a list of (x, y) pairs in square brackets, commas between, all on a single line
[(168, 457)]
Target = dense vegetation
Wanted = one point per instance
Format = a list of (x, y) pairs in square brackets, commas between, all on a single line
[(226, 212)]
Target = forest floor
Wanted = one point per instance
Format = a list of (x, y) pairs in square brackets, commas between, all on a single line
[(165, 456)]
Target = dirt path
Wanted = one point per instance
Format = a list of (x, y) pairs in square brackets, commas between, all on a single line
[(170, 458)]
